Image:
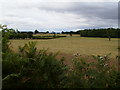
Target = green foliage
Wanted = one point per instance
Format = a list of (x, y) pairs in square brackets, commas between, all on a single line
[(11, 63), (47, 37), (36, 31), (5, 38), (33, 69), (17, 35), (97, 74), (42, 37), (28, 50), (110, 33)]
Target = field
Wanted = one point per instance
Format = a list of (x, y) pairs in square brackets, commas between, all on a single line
[(75, 44), (74, 70)]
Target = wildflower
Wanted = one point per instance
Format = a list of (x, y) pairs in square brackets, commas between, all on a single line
[(72, 59), (105, 56), (108, 71), (105, 65), (77, 54), (101, 57), (74, 54)]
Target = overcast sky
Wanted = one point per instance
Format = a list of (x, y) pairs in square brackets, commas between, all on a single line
[(58, 16)]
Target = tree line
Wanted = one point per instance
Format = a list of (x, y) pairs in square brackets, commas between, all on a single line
[(15, 34), (104, 33), (109, 32)]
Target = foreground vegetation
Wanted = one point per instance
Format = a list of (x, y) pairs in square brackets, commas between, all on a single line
[(32, 68)]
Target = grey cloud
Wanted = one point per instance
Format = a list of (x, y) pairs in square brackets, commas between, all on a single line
[(105, 10), (94, 14)]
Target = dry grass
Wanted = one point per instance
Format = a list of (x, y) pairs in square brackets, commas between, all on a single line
[(67, 46), (71, 45)]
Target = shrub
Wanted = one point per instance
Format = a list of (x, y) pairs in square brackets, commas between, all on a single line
[(32, 69), (93, 75)]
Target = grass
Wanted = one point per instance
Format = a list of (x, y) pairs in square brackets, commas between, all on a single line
[(75, 44)]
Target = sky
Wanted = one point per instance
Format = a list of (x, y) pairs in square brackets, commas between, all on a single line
[(58, 15)]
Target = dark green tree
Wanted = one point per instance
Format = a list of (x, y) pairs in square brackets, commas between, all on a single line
[(36, 31)]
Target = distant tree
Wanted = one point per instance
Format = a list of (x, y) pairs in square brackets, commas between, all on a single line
[(62, 32), (17, 31), (105, 32), (36, 31), (54, 34), (47, 31), (109, 33), (70, 33), (29, 35)]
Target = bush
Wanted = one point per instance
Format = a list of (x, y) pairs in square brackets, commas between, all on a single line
[(47, 37), (93, 75), (42, 37), (32, 69)]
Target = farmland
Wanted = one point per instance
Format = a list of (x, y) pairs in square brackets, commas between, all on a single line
[(74, 44)]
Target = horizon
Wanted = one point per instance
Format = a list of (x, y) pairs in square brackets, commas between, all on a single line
[(63, 30)]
